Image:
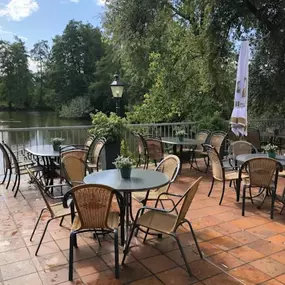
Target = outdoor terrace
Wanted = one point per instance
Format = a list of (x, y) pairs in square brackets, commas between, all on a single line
[(237, 250)]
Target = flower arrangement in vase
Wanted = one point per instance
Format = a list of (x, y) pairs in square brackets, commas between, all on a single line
[(271, 150), (56, 143), (180, 133), (124, 164)]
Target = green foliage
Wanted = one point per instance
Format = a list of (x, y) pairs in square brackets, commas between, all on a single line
[(78, 107), (213, 123), (15, 76), (109, 127), (123, 162)]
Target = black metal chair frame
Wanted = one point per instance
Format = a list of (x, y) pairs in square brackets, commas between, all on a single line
[(135, 225), (73, 234), (268, 191), (17, 169), (193, 158)]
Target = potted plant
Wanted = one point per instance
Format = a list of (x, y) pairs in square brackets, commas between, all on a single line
[(56, 143), (180, 133), (112, 129), (124, 164), (271, 150)]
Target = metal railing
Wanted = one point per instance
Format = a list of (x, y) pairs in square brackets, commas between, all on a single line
[(19, 138)]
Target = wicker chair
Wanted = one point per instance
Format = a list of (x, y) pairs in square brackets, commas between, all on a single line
[(219, 173), (262, 174), (165, 221), (93, 203), (155, 150), (237, 148), (202, 137), (141, 149), (12, 164), (95, 156), (73, 168), (253, 137), (170, 166), (57, 211)]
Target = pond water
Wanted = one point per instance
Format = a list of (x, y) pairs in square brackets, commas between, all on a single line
[(21, 119), (20, 139)]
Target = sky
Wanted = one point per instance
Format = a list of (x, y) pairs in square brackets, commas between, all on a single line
[(34, 20)]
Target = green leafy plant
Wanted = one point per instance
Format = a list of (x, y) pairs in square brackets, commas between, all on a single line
[(180, 132), (270, 148), (57, 141), (123, 162), (110, 128)]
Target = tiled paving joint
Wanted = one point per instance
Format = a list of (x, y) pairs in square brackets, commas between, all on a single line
[(237, 250)]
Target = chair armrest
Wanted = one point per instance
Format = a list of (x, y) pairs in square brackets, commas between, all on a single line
[(155, 209), (169, 194), (65, 199)]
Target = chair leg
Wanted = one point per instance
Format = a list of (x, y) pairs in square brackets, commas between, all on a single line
[(160, 201), (36, 225), (5, 175), (61, 221), (43, 235), (97, 237), (15, 182), (212, 186), (144, 240), (18, 185), (207, 162), (126, 250), (71, 239), (116, 245), (282, 209), (272, 203), (194, 237), (243, 200), (223, 192), (173, 204), (182, 253), (9, 178), (75, 241)]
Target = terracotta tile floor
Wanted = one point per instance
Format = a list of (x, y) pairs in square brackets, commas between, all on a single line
[(237, 250)]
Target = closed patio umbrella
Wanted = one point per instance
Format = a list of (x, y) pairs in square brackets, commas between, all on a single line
[(239, 115)]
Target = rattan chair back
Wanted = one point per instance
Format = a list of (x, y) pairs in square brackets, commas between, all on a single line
[(217, 140), (154, 148), (187, 201), (74, 169), (97, 149), (262, 171), (253, 136), (89, 141), (80, 153), (93, 203), (217, 165), (141, 144), (170, 166), (241, 147), (202, 137)]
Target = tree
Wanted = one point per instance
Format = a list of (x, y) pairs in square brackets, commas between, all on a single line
[(40, 54), (73, 61), (16, 77)]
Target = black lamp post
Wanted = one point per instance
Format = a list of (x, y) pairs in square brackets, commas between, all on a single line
[(117, 88)]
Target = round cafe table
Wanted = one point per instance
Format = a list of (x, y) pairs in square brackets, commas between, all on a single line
[(140, 180), (44, 155)]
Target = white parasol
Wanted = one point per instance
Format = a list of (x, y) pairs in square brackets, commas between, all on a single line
[(239, 115)]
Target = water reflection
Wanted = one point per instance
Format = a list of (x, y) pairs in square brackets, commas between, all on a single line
[(22, 119)]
